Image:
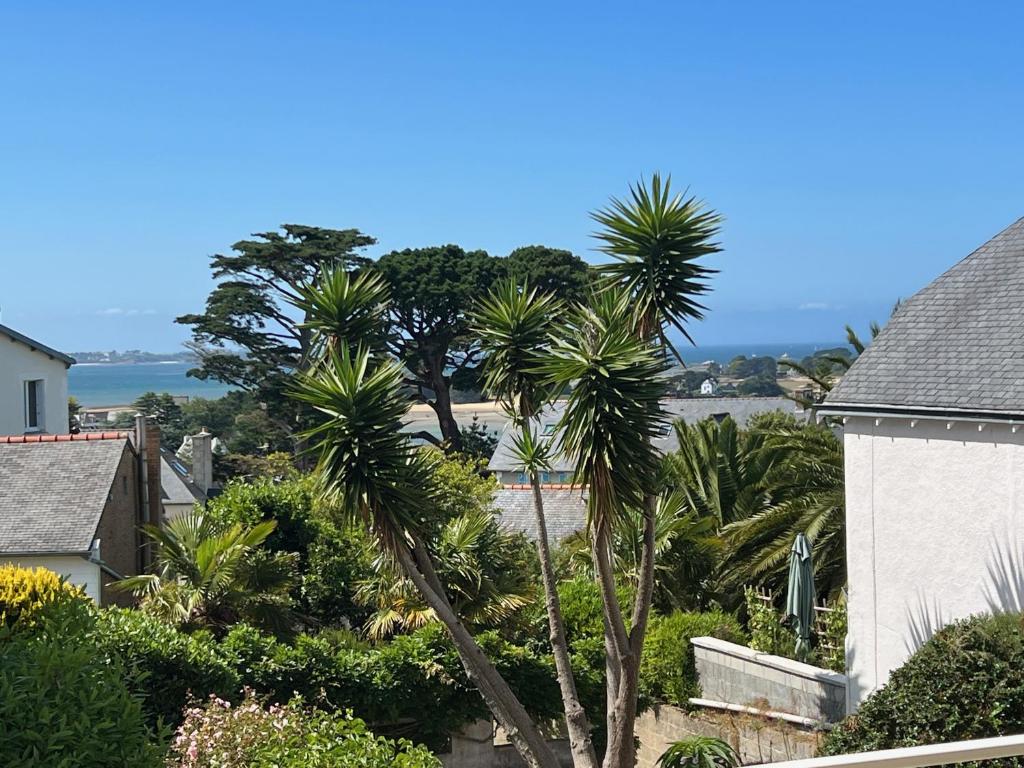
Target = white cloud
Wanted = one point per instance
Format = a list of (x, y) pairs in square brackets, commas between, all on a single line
[(816, 305), (111, 311)]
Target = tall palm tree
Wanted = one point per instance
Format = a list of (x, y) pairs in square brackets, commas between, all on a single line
[(514, 325), (211, 574), (659, 241), (805, 485), (368, 466)]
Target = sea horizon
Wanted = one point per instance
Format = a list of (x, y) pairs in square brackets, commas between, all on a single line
[(116, 384)]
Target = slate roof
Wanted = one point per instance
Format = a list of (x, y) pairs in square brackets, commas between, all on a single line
[(692, 410), (176, 486), (565, 511), (957, 344), (14, 335), (53, 493)]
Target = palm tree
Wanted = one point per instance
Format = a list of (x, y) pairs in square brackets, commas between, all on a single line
[(211, 574), (514, 326), (686, 547), (369, 468), (481, 566), (805, 485)]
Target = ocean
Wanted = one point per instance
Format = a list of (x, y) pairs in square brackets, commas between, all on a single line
[(120, 384), (101, 384)]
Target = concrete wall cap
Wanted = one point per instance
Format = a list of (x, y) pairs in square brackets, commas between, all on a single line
[(768, 660)]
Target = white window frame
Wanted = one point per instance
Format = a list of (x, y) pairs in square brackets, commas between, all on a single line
[(40, 414)]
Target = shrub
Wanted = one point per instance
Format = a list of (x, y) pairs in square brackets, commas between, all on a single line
[(767, 632), (967, 682), (24, 591), (171, 666), (285, 736), (699, 752), (63, 705), (668, 672)]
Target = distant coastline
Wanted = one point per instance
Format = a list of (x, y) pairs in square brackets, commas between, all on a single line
[(132, 356)]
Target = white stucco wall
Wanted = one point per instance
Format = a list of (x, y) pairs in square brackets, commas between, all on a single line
[(18, 364), (933, 534), (77, 570)]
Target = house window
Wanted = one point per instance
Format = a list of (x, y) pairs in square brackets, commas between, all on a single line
[(522, 479), (34, 404), (563, 477), (549, 430), (545, 477)]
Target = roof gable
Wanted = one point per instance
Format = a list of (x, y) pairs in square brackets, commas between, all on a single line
[(35, 346), (957, 344), (52, 493)]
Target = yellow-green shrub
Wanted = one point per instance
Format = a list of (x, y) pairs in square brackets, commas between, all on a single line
[(24, 591)]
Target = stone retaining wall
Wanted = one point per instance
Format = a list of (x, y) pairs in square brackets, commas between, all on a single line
[(755, 739), (735, 674)]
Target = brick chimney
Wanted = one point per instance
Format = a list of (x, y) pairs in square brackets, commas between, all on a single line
[(202, 461), (153, 484)]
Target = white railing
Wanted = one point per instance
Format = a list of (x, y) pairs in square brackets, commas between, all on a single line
[(918, 757)]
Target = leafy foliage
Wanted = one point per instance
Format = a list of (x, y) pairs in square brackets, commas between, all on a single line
[(699, 752), (64, 706), (767, 632), (966, 682), (212, 574), (24, 592), (247, 335), (668, 672), (168, 667), (285, 736), (657, 240)]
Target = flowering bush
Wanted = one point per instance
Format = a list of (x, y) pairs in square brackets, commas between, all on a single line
[(23, 591), (251, 735)]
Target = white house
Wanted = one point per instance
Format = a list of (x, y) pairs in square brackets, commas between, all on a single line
[(709, 387), (933, 416), (33, 386)]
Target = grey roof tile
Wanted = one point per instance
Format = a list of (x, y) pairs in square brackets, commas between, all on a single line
[(52, 494), (955, 344), (565, 511), (692, 410)]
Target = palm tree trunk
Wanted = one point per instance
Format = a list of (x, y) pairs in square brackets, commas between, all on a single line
[(575, 717), (500, 699)]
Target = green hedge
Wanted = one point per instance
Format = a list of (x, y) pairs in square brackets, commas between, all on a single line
[(967, 682), (668, 672), (63, 705)]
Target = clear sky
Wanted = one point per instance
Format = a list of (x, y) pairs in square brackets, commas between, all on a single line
[(856, 149)]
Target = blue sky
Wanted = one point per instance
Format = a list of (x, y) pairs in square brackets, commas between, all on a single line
[(856, 149)]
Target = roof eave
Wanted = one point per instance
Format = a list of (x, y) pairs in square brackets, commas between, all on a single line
[(916, 411), (35, 346)]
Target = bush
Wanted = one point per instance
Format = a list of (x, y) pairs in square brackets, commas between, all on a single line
[(24, 591), (668, 672), (285, 736), (967, 682), (171, 666), (62, 705)]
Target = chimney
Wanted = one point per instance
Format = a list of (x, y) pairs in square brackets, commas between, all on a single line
[(202, 461), (153, 484)]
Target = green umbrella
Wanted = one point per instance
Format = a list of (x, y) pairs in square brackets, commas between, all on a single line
[(800, 594)]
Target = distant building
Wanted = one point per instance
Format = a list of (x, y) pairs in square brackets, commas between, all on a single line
[(933, 415), (504, 465), (75, 504), (33, 386), (709, 387)]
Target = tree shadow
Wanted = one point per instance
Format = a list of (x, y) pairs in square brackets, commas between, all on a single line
[(924, 620), (1004, 591)]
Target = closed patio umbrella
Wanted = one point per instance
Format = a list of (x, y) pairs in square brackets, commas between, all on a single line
[(800, 594)]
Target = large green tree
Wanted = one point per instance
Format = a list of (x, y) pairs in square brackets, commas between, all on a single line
[(431, 291), (250, 335), (611, 356)]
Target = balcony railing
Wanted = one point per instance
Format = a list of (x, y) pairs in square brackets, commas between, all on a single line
[(919, 757)]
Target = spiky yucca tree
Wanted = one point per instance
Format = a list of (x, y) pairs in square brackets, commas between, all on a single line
[(514, 325), (369, 467)]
